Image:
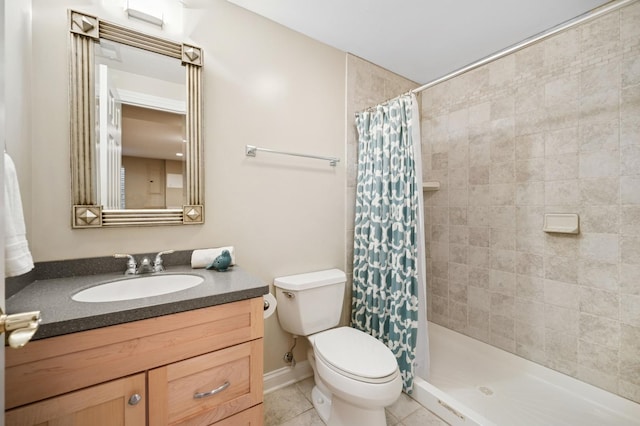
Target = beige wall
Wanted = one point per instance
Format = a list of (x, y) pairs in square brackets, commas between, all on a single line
[(263, 85), (552, 128)]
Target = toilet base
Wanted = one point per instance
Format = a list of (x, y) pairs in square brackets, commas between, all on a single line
[(322, 403), (345, 414)]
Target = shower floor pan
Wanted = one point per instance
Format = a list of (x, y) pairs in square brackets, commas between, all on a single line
[(473, 383)]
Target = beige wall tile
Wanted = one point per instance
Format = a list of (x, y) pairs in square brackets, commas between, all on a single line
[(630, 25), (480, 236), (530, 194), (631, 71), (530, 146), (599, 302), (503, 194), (630, 310), (600, 330), (601, 247), (599, 164), (502, 282), (600, 219), (598, 274), (561, 167), (630, 189), (503, 326), (458, 253), (562, 245), (561, 294), (503, 238), (479, 175), (630, 279), (562, 351), (531, 122), (529, 288), (530, 241), (562, 192), (480, 277), (560, 268), (479, 257), (562, 49), (559, 142), (561, 319), (530, 342), (630, 220), (561, 90), (480, 195), (529, 312), (629, 350), (503, 260), (604, 191), (529, 264), (630, 249), (599, 136), (503, 216), (597, 357), (530, 170), (502, 71)]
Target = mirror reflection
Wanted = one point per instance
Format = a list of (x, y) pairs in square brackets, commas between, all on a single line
[(140, 129)]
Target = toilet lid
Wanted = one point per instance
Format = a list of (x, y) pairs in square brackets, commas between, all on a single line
[(355, 353)]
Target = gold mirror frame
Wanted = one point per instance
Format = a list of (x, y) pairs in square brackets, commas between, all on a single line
[(85, 30)]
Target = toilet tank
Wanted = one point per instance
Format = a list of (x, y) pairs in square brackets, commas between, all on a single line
[(311, 302)]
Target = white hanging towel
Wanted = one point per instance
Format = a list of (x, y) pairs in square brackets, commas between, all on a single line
[(17, 257)]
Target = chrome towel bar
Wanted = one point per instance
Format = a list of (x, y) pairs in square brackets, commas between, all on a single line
[(251, 150)]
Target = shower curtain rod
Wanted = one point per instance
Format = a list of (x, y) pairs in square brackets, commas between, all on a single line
[(587, 16)]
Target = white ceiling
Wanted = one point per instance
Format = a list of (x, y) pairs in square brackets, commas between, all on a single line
[(420, 39)]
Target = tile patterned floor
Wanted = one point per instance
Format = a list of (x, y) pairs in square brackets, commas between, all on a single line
[(291, 406)]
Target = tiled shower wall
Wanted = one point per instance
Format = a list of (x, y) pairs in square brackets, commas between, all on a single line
[(554, 127)]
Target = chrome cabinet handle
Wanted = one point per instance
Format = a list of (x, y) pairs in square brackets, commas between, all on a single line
[(135, 399), (199, 395)]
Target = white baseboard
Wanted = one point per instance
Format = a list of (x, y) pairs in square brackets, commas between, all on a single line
[(276, 379)]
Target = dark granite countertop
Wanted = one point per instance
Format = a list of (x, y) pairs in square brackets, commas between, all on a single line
[(62, 315)]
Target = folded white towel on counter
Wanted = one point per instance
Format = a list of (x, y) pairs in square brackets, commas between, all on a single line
[(203, 257), (17, 257)]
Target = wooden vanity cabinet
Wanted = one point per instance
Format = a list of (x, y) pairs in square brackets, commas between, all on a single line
[(200, 367)]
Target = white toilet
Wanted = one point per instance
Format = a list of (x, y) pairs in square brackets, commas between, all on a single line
[(356, 375)]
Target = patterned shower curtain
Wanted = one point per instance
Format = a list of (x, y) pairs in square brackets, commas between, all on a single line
[(385, 260)]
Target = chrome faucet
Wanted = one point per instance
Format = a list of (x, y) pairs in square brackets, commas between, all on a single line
[(145, 264), (157, 263), (131, 263)]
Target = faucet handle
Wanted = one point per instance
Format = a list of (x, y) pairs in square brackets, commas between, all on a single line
[(157, 263), (131, 263)]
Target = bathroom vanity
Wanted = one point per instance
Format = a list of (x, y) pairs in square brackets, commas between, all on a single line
[(202, 365)]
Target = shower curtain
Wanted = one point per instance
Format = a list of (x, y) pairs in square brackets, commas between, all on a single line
[(389, 291)]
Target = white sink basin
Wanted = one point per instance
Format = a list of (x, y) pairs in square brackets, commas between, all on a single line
[(137, 288)]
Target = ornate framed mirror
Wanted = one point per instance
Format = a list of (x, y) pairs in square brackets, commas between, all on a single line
[(101, 162)]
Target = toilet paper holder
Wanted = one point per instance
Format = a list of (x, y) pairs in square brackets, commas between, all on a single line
[(269, 305)]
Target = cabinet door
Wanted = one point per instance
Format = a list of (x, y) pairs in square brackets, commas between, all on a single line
[(107, 404), (207, 388)]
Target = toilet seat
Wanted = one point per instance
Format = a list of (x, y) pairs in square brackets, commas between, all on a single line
[(355, 354)]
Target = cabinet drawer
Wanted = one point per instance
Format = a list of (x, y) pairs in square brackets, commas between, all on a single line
[(254, 416), (207, 388)]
